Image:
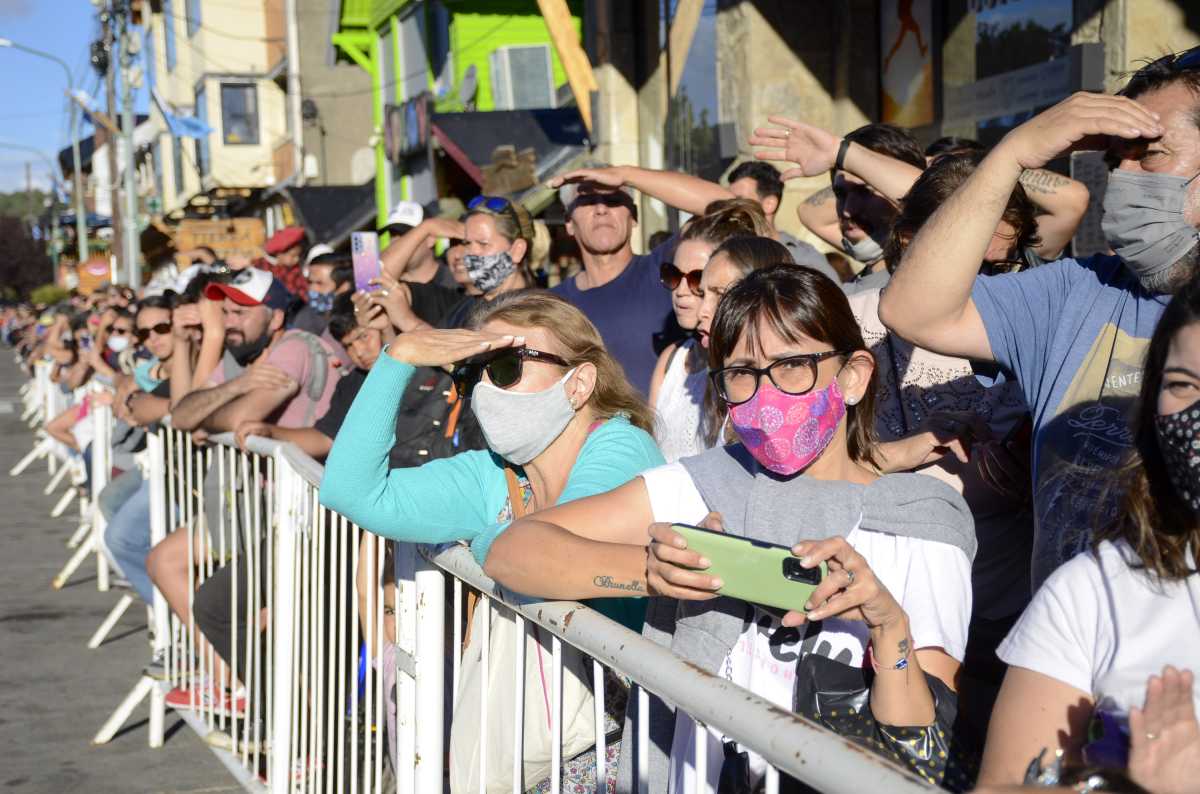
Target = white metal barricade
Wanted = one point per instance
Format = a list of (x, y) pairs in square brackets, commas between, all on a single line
[(309, 709)]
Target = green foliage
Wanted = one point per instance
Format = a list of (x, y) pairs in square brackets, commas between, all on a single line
[(20, 204), (23, 261), (49, 294)]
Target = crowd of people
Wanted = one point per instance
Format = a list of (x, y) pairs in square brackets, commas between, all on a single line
[(982, 451)]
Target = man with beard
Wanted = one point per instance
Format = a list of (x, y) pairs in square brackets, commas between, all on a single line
[(266, 372), (1073, 332)]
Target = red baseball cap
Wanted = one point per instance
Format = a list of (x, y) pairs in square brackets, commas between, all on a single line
[(284, 239), (251, 287)]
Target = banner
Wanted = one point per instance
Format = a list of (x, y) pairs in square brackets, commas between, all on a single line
[(180, 125), (906, 47)]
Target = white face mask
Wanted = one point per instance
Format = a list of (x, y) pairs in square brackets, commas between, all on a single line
[(865, 250), (519, 426), (117, 344)]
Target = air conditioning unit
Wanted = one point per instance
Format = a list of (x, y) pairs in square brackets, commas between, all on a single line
[(522, 77)]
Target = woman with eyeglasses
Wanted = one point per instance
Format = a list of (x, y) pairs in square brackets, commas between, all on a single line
[(560, 419), (874, 652), (678, 384)]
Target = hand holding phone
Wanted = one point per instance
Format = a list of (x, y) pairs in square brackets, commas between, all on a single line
[(751, 570), (364, 253)]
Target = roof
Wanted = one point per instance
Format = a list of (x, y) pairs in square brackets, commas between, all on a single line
[(557, 135), (332, 212), (87, 144)]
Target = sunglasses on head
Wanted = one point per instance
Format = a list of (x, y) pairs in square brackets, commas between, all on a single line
[(493, 203), (162, 329), (504, 368), (670, 276)]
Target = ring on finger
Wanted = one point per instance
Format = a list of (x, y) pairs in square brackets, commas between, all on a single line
[(1151, 736), (850, 577)]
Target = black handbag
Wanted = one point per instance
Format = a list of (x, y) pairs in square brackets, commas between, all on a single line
[(838, 696)]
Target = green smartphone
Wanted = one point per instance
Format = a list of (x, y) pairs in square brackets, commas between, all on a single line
[(753, 570)]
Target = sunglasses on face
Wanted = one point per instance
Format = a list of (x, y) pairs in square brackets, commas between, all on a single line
[(162, 329), (670, 276), (117, 330), (504, 368)]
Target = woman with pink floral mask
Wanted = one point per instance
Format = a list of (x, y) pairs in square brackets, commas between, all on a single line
[(874, 653)]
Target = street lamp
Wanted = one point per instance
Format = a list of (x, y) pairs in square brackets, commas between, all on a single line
[(80, 213)]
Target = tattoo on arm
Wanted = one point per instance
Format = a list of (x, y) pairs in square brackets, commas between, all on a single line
[(608, 583), (903, 648), (820, 197), (1040, 180)]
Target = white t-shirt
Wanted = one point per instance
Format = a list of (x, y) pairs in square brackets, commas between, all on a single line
[(932, 582), (1104, 628)]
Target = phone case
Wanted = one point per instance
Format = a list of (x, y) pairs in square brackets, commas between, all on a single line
[(754, 570), (364, 253)]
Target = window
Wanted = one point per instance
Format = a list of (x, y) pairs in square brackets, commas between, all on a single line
[(169, 32), (239, 113), (177, 164), (202, 163), (193, 17), (522, 77)]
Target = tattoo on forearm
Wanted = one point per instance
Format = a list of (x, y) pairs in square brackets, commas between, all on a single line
[(820, 197), (608, 583), (903, 648), (1040, 180)]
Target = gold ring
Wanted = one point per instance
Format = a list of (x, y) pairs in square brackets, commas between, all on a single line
[(1151, 736)]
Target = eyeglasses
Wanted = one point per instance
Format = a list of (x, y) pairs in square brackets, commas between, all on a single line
[(792, 375), (670, 276), (162, 329), (112, 329), (504, 368)]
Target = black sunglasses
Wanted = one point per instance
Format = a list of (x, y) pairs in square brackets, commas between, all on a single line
[(112, 329), (504, 368), (670, 276), (162, 329)]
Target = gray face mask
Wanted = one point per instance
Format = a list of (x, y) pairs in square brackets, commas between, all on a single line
[(520, 426), (1144, 223), (866, 250), (488, 271)]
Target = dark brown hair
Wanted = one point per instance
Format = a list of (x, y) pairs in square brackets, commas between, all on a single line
[(931, 190), (1153, 519), (797, 300)]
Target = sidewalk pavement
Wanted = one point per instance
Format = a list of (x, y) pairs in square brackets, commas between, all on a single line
[(55, 693)]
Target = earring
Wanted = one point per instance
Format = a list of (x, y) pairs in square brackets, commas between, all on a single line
[(851, 401)]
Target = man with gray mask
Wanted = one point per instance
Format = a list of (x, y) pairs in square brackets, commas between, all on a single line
[(1073, 332)]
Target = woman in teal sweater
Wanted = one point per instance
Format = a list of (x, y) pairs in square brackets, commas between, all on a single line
[(553, 405)]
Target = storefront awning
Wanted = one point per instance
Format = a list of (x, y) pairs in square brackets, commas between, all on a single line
[(332, 212)]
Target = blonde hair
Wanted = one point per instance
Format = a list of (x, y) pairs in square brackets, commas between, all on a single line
[(613, 395)]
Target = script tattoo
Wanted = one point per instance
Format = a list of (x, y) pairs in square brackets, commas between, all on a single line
[(1043, 181), (820, 197), (608, 583)]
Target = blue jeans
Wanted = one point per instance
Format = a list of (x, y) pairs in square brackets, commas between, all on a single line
[(128, 538), (118, 491)]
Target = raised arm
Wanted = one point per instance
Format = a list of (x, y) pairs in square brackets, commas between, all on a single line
[(682, 191), (1061, 203), (818, 213), (395, 259), (928, 301)]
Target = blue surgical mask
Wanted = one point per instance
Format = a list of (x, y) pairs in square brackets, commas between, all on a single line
[(320, 301)]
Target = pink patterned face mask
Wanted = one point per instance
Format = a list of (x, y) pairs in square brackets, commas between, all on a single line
[(786, 432)]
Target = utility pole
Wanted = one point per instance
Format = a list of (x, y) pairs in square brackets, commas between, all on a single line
[(129, 213), (110, 97)]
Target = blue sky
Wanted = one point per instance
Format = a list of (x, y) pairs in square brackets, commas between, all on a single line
[(32, 105)]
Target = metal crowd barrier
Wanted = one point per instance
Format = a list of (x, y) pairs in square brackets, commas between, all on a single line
[(310, 661)]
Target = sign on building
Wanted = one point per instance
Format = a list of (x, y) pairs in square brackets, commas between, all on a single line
[(229, 237), (906, 43)]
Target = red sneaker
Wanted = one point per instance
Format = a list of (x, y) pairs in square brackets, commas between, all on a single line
[(209, 698)]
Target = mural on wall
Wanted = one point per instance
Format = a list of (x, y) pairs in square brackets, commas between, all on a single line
[(905, 39)]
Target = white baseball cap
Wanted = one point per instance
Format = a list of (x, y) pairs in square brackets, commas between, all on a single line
[(409, 213), (320, 249)]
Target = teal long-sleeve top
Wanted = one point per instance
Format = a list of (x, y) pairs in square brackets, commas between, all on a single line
[(464, 496)]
